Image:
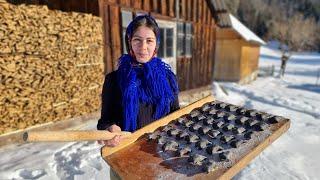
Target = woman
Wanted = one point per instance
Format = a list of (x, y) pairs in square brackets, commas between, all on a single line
[(143, 89)]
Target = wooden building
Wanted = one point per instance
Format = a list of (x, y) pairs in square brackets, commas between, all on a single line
[(189, 31), (237, 49), (187, 35)]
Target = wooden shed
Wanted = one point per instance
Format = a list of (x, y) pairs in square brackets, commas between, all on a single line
[(237, 52)]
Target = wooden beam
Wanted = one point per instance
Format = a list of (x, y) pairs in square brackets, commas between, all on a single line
[(104, 14), (171, 6), (194, 55), (115, 34), (136, 4), (211, 53), (213, 50), (196, 62), (208, 16), (189, 10), (204, 51), (71, 135), (194, 10), (155, 6), (70, 124), (183, 9), (147, 5), (199, 7), (125, 3), (208, 70), (163, 9), (202, 57)]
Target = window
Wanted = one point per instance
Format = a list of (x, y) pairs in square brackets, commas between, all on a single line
[(184, 42), (169, 42), (160, 52), (180, 39), (188, 40), (126, 18), (166, 43)]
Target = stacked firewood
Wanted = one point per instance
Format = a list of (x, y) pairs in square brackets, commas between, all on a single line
[(51, 65)]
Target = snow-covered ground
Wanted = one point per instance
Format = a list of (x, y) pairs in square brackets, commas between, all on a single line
[(76, 160), (295, 155)]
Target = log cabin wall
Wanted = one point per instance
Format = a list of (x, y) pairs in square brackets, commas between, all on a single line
[(194, 69)]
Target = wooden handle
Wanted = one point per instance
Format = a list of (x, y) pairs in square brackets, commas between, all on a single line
[(106, 151), (65, 136)]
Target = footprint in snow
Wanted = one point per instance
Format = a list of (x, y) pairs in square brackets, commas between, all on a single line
[(32, 174)]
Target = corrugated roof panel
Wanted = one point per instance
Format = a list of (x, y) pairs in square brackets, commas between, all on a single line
[(224, 20), (218, 5)]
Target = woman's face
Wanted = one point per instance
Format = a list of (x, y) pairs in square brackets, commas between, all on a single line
[(143, 44)]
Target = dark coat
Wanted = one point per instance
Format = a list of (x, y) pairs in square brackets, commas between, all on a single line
[(111, 107)]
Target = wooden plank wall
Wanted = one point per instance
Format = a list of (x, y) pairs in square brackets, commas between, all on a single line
[(192, 72), (197, 71), (249, 59), (228, 55)]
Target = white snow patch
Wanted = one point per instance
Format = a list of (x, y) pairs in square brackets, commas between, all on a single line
[(243, 31)]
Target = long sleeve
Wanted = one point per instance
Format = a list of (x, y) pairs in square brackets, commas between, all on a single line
[(111, 111), (175, 105)]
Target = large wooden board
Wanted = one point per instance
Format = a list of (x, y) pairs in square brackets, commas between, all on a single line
[(106, 151), (139, 159)]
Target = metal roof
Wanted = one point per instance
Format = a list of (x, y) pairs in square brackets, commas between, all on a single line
[(218, 5), (219, 9)]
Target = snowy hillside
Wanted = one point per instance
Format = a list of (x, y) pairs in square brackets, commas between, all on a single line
[(295, 155)]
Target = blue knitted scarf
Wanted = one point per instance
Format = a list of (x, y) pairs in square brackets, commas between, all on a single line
[(152, 83)]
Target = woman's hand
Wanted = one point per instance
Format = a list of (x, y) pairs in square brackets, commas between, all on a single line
[(115, 140)]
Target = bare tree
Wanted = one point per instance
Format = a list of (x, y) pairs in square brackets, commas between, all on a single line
[(297, 32), (302, 32)]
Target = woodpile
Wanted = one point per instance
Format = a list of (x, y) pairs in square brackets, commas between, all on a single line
[(51, 65)]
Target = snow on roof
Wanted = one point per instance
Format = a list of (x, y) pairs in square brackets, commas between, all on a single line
[(244, 32)]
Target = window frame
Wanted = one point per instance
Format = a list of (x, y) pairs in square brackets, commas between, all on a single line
[(188, 36), (164, 43), (124, 28)]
